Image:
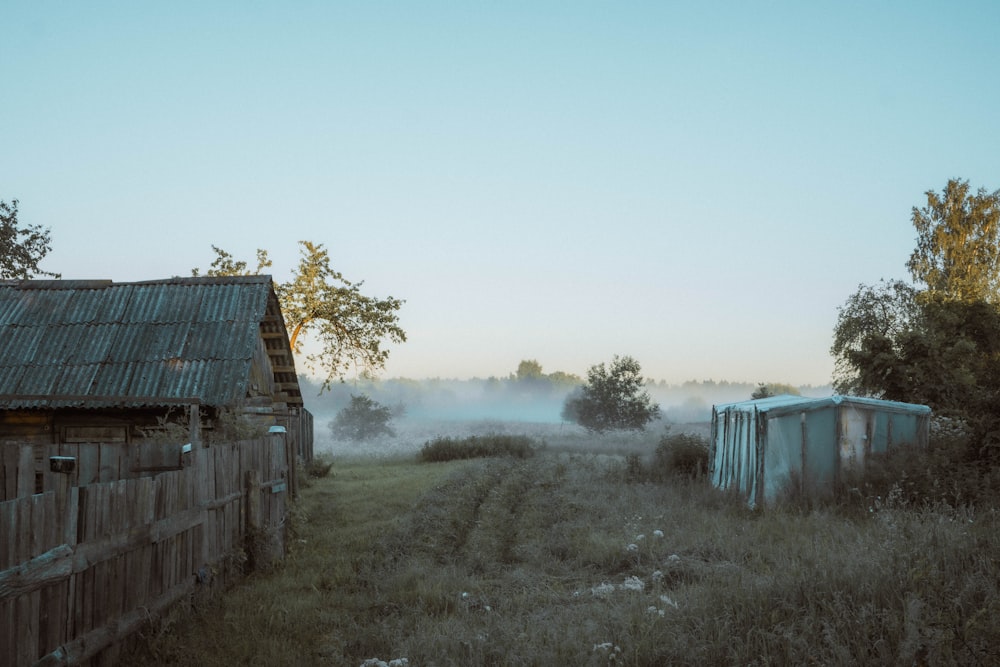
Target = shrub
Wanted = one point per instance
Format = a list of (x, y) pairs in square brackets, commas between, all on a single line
[(472, 447), (319, 467), (944, 472), (680, 454)]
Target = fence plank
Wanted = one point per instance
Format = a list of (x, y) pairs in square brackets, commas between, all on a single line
[(8, 538), (8, 627), (27, 624)]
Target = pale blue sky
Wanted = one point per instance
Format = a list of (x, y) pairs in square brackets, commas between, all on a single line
[(698, 185)]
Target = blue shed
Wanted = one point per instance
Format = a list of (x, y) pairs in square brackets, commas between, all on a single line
[(764, 447)]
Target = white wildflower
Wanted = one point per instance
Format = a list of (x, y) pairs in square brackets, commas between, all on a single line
[(640, 537), (605, 646), (652, 610), (673, 558), (665, 599), (399, 662), (602, 590), (633, 584), (632, 547), (657, 575), (657, 533), (374, 662)]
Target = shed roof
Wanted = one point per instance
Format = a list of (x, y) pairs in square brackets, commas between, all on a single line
[(96, 343), (787, 403)]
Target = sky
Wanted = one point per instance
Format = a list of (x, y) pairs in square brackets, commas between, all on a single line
[(699, 185)]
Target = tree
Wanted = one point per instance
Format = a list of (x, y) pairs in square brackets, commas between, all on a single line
[(364, 419), (873, 318), (349, 326), (21, 248), (612, 399), (768, 389), (529, 369), (958, 253), (948, 358)]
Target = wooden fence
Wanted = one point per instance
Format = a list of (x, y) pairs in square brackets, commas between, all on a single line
[(84, 566)]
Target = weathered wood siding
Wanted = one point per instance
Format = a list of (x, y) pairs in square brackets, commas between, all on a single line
[(82, 567)]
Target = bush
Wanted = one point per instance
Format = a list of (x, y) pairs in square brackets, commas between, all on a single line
[(680, 454), (944, 472), (319, 467), (472, 447)]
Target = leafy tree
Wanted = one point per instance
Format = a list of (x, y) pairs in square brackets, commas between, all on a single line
[(529, 369), (958, 244), (612, 399), (21, 248), (350, 326), (874, 317), (225, 264), (766, 390), (364, 419), (561, 379), (947, 358)]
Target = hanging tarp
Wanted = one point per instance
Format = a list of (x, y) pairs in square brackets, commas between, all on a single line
[(766, 447)]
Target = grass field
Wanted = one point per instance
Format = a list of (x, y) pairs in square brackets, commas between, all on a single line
[(559, 559)]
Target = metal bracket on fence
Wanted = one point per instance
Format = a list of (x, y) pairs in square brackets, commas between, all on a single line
[(66, 464)]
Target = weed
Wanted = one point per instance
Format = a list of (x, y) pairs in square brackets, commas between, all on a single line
[(682, 454)]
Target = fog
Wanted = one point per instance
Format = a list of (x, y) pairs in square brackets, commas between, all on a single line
[(428, 408)]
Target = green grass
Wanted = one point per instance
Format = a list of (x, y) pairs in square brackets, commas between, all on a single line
[(540, 562)]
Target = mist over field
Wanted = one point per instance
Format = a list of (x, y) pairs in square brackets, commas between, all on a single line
[(429, 408)]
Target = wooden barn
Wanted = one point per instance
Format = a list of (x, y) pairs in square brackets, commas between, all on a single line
[(85, 361)]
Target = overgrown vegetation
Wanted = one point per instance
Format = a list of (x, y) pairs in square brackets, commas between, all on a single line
[(945, 474), (683, 454), (560, 559), (477, 446), (230, 425), (552, 563), (318, 468)]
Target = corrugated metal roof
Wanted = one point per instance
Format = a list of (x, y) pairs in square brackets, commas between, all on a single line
[(789, 403), (103, 344)]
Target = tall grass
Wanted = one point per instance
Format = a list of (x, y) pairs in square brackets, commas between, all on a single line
[(475, 447), (559, 560)]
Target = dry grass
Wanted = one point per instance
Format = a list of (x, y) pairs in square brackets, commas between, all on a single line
[(559, 560)]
